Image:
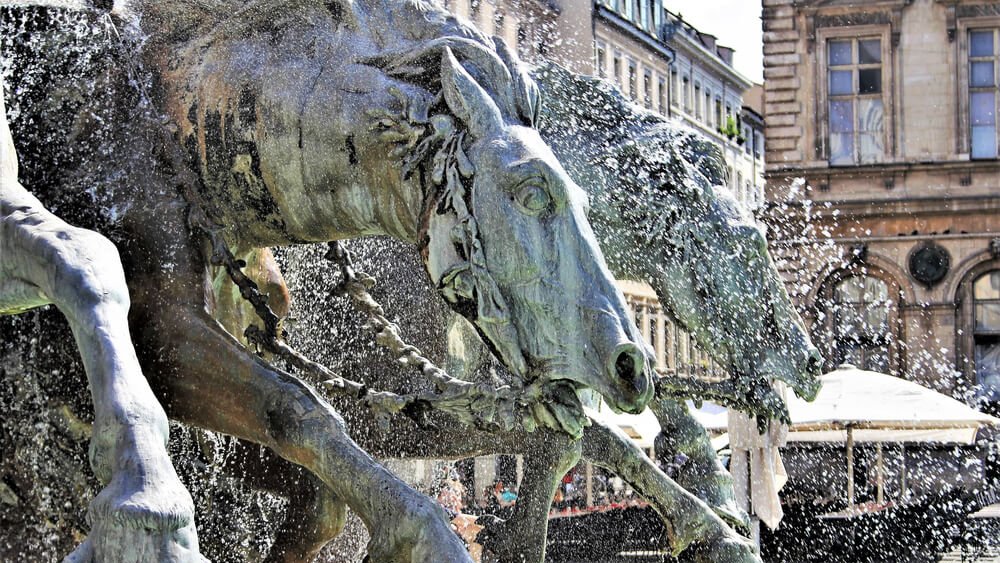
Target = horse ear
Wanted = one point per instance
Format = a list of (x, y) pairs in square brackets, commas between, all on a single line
[(527, 98), (467, 99)]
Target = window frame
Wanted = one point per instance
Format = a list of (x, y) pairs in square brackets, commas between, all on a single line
[(964, 27), (647, 88), (633, 79), (824, 332), (697, 100), (855, 33), (600, 59), (674, 87), (686, 93), (617, 70), (662, 95), (965, 319)]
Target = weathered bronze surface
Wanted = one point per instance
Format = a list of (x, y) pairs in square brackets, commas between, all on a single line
[(287, 122)]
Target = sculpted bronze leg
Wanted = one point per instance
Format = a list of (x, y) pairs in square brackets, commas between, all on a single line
[(314, 515), (693, 528), (700, 472), (522, 537), (208, 379), (144, 512)]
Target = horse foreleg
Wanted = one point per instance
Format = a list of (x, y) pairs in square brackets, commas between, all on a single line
[(684, 443), (210, 380), (143, 513), (521, 538), (692, 527), (314, 516)]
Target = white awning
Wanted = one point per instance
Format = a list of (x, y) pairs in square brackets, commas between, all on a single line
[(877, 408), (642, 428)]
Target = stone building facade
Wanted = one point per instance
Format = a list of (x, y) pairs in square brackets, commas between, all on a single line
[(883, 181)]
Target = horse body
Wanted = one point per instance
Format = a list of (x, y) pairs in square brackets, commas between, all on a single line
[(354, 135), (382, 130)]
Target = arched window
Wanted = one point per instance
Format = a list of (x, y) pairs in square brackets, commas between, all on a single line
[(859, 310), (986, 333)]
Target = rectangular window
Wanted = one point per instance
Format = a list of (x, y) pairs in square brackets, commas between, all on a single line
[(687, 94), (708, 107), (617, 69), (983, 58), (674, 81), (718, 114), (661, 105), (600, 60), (697, 101), (474, 9), (647, 89), (632, 79), (855, 98)]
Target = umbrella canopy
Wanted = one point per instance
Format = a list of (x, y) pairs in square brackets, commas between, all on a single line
[(642, 428), (876, 408)]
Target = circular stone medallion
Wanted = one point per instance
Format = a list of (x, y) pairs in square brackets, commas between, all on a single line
[(929, 263)]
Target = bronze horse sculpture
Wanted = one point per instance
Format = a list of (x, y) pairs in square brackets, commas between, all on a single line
[(386, 118)]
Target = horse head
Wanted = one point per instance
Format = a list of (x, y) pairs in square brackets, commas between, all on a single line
[(724, 288), (422, 135), (714, 273), (662, 216), (505, 235)]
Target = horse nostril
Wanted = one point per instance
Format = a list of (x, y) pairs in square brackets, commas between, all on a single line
[(629, 362), (815, 363)]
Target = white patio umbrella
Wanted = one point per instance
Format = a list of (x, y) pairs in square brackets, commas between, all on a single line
[(856, 405), (875, 407)]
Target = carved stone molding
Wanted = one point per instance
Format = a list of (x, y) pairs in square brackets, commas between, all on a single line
[(977, 10), (820, 16), (847, 20)]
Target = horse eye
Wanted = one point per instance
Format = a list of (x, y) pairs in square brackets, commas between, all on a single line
[(533, 197)]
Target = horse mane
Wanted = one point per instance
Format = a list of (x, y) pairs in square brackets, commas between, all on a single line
[(429, 137)]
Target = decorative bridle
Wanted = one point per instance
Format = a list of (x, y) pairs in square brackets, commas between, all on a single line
[(436, 146)]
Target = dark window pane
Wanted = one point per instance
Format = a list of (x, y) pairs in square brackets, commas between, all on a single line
[(841, 82), (839, 53), (870, 81), (982, 74), (984, 141), (870, 51), (876, 290), (870, 115), (849, 354), (841, 148), (871, 146), (981, 43), (988, 370), (983, 108), (877, 360)]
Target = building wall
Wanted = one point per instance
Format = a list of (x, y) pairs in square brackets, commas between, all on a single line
[(871, 213), (709, 98)]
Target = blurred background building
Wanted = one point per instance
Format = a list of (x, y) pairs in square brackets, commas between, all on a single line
[(883, 192)]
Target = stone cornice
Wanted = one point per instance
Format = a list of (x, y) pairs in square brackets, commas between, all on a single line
[(847, 13)]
